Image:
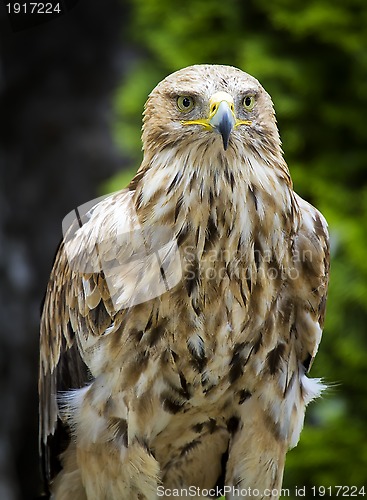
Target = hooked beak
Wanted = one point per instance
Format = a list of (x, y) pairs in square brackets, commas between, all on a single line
[(222, 118)]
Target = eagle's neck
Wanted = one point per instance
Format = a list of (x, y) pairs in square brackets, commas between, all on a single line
[(237, 193)]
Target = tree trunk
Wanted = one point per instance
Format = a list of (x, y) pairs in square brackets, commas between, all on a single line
[(56, 84)]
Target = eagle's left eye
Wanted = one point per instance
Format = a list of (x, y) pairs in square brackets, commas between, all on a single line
[(185, 103), (249, 102)]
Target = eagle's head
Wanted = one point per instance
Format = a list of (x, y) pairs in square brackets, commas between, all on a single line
[(214, 107)]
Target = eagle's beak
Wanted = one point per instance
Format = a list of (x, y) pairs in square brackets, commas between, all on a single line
[(222, 117)]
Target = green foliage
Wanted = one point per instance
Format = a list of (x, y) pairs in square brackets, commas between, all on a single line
[(312, 58)]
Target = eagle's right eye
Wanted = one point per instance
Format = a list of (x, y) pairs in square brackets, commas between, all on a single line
[(185, 103)]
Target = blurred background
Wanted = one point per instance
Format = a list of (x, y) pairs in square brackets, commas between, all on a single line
[(71, 96)]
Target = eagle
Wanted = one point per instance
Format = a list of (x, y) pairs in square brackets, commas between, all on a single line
[(183, 313)]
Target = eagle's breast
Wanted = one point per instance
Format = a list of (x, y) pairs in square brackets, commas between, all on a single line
[(233, 226)]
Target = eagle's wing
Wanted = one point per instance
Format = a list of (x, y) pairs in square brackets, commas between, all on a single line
[(83, 302), (311, 276)]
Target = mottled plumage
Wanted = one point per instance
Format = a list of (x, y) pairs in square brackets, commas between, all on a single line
[(195, 374)]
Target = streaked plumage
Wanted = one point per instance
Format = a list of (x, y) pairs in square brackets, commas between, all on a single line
[(195, 374)]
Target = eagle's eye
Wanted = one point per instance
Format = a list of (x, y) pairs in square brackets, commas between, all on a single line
[(249, 102), (185, 103)]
